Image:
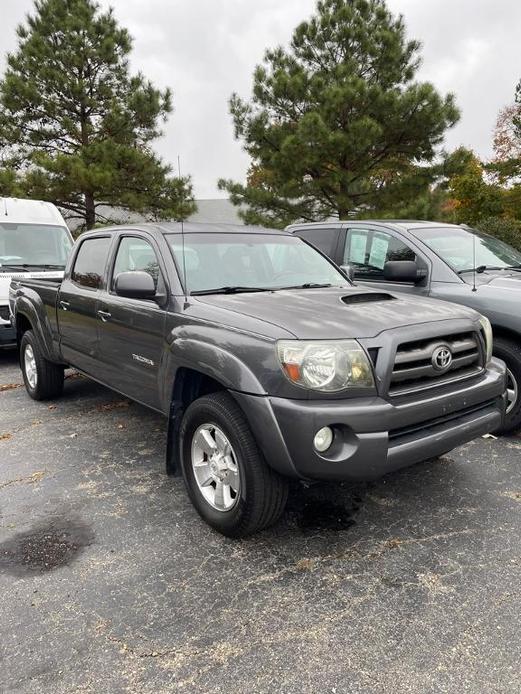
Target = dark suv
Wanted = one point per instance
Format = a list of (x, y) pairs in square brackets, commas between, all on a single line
[(443, 261)]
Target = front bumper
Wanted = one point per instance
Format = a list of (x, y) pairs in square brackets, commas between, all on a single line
[(374, 436), (7, 334)]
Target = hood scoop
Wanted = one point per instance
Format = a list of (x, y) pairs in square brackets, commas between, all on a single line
[(367, 298)]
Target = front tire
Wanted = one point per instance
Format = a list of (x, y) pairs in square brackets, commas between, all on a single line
[(43, 379), (510, 352), (226, 476)]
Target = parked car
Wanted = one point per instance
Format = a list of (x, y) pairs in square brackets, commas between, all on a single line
[(268, 363), (34, 242), (442, 261)]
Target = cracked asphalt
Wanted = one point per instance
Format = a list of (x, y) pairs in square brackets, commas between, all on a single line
[(110, 582)]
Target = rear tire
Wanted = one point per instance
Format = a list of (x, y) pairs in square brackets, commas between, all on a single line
[(43, 379), (510, 352), (228, 481)]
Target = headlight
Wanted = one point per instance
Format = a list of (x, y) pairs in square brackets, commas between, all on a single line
[(325, 366), (487, 330)]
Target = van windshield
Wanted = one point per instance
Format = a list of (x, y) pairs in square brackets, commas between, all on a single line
[(33, 246), (222, 263)]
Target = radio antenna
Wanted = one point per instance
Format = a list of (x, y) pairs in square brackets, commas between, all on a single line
[(182, 226), (474, 287)]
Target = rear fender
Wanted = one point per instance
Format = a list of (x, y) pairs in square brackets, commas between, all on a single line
[(32, 310)]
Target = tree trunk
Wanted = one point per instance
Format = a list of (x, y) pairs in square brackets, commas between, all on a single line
[(90, 211)]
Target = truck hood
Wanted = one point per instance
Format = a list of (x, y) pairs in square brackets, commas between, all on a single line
[(504, 279), (333, 313), (8, 275)]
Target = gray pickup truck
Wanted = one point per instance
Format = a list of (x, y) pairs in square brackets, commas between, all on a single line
[(267, 361), (442, 261)]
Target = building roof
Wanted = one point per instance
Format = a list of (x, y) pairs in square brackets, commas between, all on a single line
[(214, 211)]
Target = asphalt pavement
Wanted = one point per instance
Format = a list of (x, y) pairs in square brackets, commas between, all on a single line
[(110, 582)]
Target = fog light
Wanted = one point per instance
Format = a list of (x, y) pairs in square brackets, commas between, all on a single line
[(323, 439)]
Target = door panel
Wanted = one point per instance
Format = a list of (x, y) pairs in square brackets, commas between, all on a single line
[(78, 303), (131, 346), (132, 330)]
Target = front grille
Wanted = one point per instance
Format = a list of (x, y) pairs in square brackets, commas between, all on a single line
[(415, 369), (4, 312)]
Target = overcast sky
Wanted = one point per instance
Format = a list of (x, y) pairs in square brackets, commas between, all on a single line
[(206, 49)]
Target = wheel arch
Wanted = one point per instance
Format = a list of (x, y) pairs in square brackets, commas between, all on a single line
[(506, 333), (189, 385)]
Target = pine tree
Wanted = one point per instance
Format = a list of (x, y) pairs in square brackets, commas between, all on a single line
[(337, 120), (76, 124)]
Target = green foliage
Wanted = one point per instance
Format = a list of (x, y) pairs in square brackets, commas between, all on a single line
[(423, 193), (337, 122), (474, 198), (508, 230), (80, 123)]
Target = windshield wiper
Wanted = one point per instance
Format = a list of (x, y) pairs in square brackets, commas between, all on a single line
[(26, 266), (307, 285), (229, 290), (480, 269), (13, 267)]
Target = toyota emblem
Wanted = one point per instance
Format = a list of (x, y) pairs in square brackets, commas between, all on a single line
[(441, 358)]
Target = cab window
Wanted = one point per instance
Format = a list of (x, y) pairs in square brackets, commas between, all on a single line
[(136, 254), (89, 266), (368, 250)]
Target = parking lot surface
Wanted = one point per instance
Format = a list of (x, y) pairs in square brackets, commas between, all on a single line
[(110, 582)]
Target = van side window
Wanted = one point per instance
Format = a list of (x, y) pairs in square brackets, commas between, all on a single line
[(136, 254), (89, 266), (368, 250), (324, 239)]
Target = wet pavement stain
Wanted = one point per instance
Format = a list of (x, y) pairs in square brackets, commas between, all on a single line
[(313, 512), (48, 546)]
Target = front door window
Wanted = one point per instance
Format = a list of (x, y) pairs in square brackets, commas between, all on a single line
[(368, 250)]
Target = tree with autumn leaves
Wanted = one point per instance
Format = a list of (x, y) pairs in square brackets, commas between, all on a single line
[(338, 125)]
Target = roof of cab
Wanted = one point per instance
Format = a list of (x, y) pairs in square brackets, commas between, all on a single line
[(196, 228), (408, 224), (20, 211)]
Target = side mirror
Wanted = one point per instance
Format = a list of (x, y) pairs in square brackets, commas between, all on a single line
[(349, 272), (401, 271), (135, 285)]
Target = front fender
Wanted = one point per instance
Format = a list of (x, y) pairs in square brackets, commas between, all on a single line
[(211, 360)]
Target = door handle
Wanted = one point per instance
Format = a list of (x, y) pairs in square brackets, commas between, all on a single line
[(104, 315), (65, 305)]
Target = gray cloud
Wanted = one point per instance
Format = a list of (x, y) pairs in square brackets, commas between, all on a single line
[(205, 49)]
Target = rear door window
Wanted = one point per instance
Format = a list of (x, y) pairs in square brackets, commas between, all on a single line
[(89, 266)]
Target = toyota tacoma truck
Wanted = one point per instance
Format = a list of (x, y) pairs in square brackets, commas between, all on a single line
[(268, 363), (443, 261)]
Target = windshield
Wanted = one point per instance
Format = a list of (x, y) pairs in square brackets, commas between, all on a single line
[(33, 246), (256, 261), (456, 247)]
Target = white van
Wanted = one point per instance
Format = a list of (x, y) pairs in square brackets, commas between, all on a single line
[(34, 242)]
